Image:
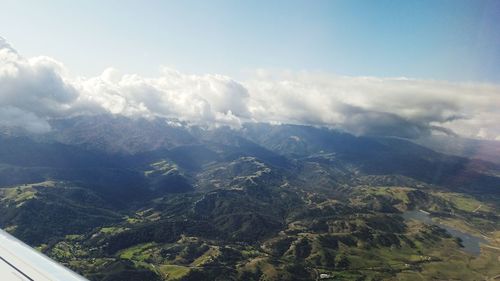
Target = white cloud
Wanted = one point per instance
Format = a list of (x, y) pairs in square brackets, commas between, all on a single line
[(34, 90), (35, 86), (202, 99), (385, 106), (15, 117)]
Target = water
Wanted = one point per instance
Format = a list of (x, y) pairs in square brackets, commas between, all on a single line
[(470, 242)]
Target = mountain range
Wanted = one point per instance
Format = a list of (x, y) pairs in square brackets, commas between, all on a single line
[(116, 198)]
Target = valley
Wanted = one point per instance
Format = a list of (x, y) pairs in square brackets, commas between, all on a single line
[(113, 201)]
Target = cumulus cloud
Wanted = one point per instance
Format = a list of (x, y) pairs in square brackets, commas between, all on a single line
[(34, 90), (197, 98), (35, 86), (377, 106)]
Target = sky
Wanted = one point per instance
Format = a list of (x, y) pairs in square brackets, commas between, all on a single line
[(390, 68), (456, 40)]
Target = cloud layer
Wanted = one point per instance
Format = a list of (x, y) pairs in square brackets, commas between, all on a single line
[(378, 106), (34, 90)]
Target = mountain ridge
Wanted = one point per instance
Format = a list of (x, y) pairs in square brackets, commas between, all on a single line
[(279, 202)]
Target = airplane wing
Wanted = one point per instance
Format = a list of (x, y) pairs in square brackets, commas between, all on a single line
[(20, 262)]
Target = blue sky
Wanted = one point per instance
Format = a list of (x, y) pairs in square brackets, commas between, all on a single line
[(369, 67), (456, 40)]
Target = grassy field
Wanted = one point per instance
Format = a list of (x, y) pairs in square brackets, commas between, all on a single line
[(22, 193), (464, 202), (173, 272), (137, 253)]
